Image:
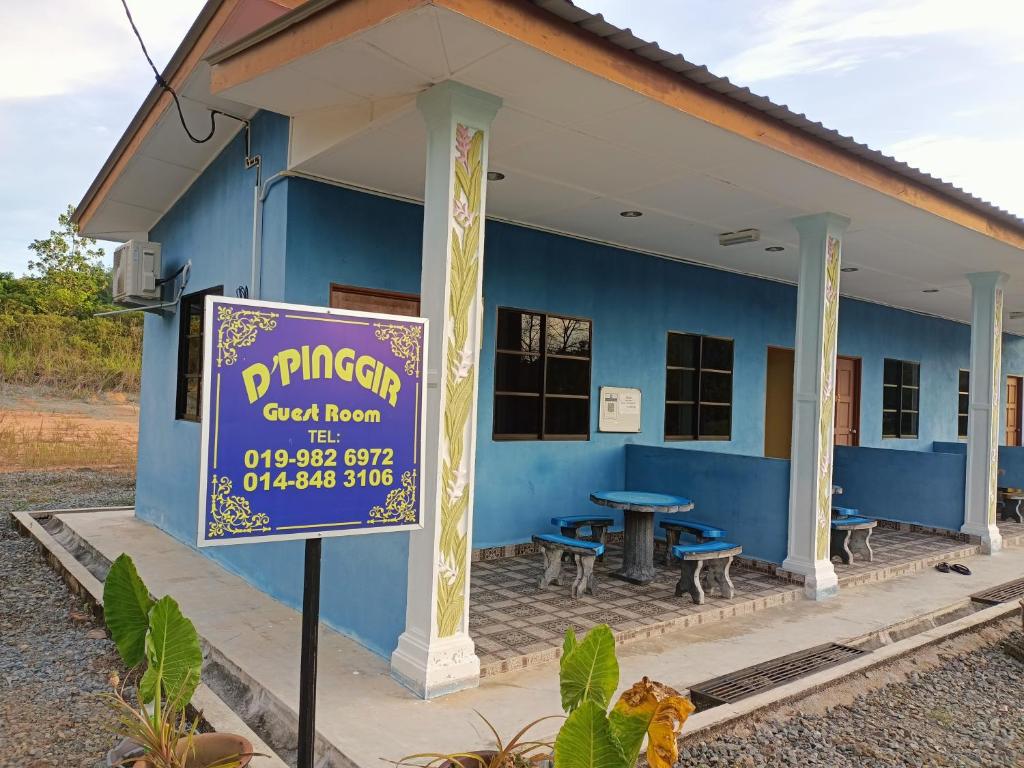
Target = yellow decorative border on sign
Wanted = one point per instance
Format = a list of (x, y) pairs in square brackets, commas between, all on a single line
[(400, 505), (406, 342), (231, 514), (238, 328)]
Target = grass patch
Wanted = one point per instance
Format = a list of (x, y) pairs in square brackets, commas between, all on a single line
[(71, 355), (62, 442)]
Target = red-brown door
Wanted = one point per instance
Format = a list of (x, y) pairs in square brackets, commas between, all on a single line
[(370, 300), (847, 401), (1013, 393)]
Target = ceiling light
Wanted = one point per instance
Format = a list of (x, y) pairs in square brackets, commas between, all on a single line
[(739, 237), (495, 175), (1017, 315), (929, 290), (850, 269), (774, 248), (631, 214)]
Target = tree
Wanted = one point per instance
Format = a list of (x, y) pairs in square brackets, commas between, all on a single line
[(68, 271)]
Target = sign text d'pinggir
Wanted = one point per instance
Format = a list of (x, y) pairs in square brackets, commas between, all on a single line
[(312, 422)]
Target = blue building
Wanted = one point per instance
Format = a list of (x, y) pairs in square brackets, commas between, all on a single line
[(576, 211)]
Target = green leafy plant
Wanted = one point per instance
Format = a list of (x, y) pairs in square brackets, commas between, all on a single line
[(591, 736), (165, 735), (153, 632)]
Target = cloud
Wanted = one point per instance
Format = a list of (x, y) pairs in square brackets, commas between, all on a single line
[(62, 46), (990, 168), (805, 36)]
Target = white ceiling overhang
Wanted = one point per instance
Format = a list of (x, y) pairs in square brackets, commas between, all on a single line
[(577, 149)]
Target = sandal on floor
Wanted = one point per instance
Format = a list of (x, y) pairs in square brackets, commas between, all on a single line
[(960, 568), (942, 567)]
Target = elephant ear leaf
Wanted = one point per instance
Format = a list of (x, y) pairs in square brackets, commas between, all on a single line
[(174, 656), (126, 605), (585, 740), (589, 670), (653, 710)]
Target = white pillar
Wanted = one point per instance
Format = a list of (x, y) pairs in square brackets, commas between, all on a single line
[(814, 402), (435, 654), (983, 419)]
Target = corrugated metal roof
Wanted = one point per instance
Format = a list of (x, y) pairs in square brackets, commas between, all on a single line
[(596, 24)]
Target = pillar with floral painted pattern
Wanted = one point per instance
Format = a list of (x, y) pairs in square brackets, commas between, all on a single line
[(814, 400), (983, 415), (435, 654)]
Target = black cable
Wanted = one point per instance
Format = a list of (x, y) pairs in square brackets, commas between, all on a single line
[(167, 87)]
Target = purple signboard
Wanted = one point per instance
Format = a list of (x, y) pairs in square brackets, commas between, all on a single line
[(312, 422)]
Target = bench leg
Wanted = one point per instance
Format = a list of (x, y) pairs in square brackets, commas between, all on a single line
[(671, 539), (860, 544), (718, 574), (1016, 511), (552, 566), (689, 580), (569, 533), (839, 546), (599, 533), (584, 575)]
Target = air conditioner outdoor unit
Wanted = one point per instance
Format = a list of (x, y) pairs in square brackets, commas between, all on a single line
[(136, 271)]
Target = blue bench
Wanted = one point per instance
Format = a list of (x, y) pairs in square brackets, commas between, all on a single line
[(718, 555), (571, 524), (675, 528), (851, 534), (582, 551)]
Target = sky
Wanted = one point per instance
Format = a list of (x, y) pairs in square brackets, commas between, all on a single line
[(936, 83)]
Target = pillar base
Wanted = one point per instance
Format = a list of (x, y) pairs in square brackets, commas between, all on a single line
[(820, 580), (432, 669), (991, 539)]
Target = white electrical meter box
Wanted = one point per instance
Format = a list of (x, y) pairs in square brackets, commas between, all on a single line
[(620, 409), (136, 271)]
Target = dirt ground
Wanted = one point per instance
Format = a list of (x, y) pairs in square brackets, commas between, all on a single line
[(43, 430)]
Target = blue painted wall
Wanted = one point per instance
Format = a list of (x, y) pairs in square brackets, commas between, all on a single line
[(1011, 461), (748, 496), (315, 234), (909, 486)]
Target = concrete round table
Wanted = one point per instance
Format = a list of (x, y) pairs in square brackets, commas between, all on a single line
[(639, 509)]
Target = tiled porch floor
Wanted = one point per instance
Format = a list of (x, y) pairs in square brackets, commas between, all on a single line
[(1013, 533), (514, 624)]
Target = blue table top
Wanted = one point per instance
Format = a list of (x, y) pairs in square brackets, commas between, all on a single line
[(641, 501)]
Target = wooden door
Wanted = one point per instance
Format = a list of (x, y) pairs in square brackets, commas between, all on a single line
[(369, 300), (1013, 394), (778, 404), (847, 428)]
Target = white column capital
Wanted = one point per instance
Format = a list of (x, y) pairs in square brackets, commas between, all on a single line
[(449, 102), (987, 281), (820, 224)]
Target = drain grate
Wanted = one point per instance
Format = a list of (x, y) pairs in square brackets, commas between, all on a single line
[(771, 674), (1004, 593)]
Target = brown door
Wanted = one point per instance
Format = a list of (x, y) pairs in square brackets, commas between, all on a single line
[(1013, 393), (847, 401), (778, 404), (368, 300)]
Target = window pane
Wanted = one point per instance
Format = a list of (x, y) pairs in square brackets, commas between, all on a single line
[(717, 354), (680, 421), (909, 399), (908, 425), (715, 387), (965, 381), (681, 385), (194, 355), (568, 377), (516, 415), (195, 316), (566, 416), (890, 424), (682, 350), (961, 426), (518, 330), (891, 398), (911, 374), (963, 407), (517, 373), (892, 372), (192, 398), (568, 336), (715, 420)]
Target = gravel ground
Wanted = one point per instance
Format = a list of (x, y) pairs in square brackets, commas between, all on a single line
[(54, 657), (965, 711)]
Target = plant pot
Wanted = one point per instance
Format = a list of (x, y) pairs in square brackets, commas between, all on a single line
[(210, 749)]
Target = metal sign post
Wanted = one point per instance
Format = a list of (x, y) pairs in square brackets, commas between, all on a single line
[(313, 426)]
